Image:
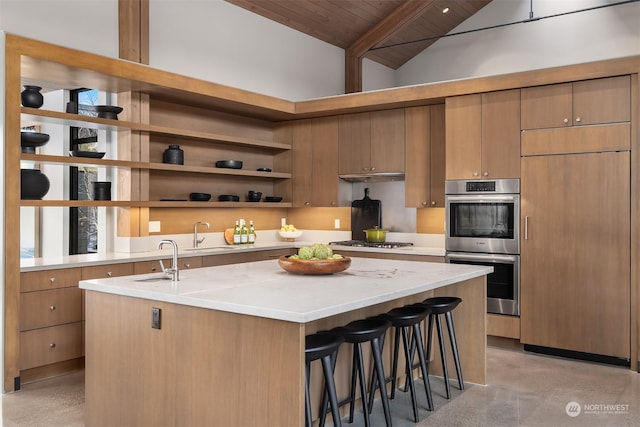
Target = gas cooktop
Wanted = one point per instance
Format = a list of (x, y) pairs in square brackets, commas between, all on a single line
[(362, 243)]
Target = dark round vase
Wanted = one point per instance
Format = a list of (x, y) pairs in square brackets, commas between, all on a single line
[(33, 184), (101, 190), (31, 97), (173, 155)]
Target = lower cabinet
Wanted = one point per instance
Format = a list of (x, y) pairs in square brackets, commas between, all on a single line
[(50, 323)]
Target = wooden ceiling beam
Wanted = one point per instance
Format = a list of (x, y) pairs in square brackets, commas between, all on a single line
[(400, 17)]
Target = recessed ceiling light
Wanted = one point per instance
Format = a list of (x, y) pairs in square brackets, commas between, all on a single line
[(445, 10)]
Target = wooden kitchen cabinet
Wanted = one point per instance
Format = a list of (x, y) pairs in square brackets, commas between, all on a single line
[(372, 142), (483, 135), (50, 322), (588, 102), (575, 254), (240, 257), (144, 267), (315, 162), (424, 156)]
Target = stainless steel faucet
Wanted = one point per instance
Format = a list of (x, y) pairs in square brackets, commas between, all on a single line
[(197, 241), (173, 271)]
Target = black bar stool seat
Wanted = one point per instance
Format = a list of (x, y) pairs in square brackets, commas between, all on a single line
[(323, 347), (444, 306)]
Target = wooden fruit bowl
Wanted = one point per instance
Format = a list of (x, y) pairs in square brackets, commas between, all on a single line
[(316, 266)]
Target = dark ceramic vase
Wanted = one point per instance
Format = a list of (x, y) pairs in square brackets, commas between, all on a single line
[(30, 140), (101, 190), (33, 184), (31, 97), (173, 155)]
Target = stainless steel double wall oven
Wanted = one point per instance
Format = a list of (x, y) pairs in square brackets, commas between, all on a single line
[(483, 228)]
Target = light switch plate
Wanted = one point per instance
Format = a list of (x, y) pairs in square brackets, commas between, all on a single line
[(336, 223)]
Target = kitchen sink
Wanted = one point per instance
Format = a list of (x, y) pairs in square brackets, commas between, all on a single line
[(211, 248), (153, 279)]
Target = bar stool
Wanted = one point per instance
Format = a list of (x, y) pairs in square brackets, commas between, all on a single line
[(323, 347), (439, 306), (407, 320), (357, 333)]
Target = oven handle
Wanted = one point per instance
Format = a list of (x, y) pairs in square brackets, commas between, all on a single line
[(483, 257), (483, 198)]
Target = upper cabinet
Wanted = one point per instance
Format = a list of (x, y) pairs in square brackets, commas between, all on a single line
[(587, 102), (371, 142), (483, 135), (315, 162), (425, 156)]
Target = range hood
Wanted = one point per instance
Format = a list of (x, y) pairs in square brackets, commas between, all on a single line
[(373, 177)]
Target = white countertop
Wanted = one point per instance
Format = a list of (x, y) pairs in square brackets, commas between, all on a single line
[(264, 289), (422, 247)]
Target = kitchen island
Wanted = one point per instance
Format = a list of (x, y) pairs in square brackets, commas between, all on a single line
[(227, 347)]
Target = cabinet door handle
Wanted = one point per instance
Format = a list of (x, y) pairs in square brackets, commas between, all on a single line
[(372, 169), (485, 173), (578, 119), (526, 228), (307, 203), (153, 269), (475, 174), (52, 307), (52, 345), (434, 203), (52, 280), (109, 274), (566, 120), (187, 265)]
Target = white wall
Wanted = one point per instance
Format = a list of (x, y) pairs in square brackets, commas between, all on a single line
[(220, 42), (89, 25), (570, 39)]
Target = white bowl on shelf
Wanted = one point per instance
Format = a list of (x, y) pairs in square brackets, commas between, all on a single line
[(290, 236)]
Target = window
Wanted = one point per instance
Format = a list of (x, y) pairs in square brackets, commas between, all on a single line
[(83, 236)]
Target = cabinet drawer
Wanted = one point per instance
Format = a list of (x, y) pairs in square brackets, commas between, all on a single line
[(50, 345), (48, 308), (145, 267), (49, 279), (106, 271)]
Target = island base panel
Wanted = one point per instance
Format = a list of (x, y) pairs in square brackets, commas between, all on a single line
[(137, 375)]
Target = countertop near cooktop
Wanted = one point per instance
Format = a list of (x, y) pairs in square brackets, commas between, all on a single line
[(216, 247)]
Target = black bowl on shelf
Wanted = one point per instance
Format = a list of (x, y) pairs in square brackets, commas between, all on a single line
[(199, 197), (273, 199), (228, 198), (264, 169), (229, 164), (30, 140), (105, 111), (89, 154)]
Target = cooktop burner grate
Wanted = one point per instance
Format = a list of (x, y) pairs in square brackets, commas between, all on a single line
[(362, 243)]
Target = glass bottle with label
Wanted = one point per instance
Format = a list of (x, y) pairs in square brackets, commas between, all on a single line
[(244, 232), (236, 233), (252, 232)]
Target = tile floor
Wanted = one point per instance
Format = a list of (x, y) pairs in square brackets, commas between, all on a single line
[(523, 390)]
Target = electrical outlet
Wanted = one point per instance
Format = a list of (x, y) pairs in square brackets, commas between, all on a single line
[(155, 318), (336, 224), (154, 226), (283, 222)]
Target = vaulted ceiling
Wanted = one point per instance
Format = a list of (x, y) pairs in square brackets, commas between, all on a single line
[(364, 28)]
